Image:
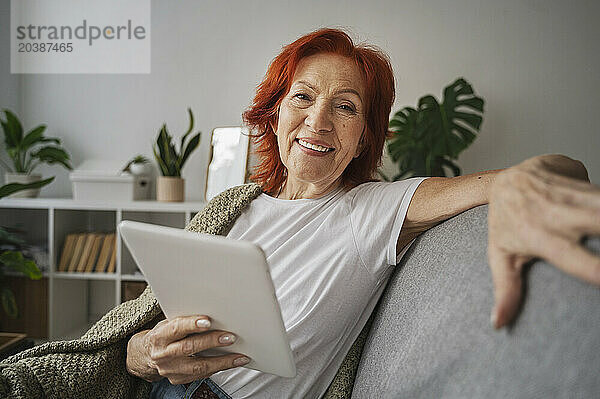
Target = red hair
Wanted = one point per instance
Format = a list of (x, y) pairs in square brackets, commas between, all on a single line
[(374, 64)]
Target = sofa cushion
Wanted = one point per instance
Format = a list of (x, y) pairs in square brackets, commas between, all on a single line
[(432, 336)]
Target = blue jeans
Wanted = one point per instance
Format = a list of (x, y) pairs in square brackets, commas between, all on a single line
[(163, 389)]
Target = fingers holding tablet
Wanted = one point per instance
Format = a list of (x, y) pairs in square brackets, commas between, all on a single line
[(172, 348), (188, 369), (170, 330), (193, 344)]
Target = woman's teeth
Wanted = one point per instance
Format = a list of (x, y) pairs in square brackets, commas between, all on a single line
[(314, 146)]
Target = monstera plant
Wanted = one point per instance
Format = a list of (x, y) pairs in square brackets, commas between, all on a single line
[(427, 140)]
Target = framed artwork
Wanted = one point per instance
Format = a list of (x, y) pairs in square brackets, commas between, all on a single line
[(228, 159)]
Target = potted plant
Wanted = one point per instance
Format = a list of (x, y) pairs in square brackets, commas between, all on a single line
[(137, 165), (170, 186), (25, 154), (428, 139)]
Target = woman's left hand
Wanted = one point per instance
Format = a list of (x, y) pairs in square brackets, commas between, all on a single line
[(542, 208)]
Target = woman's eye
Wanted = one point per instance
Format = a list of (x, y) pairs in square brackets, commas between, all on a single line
[(302, 96), (347, 107)]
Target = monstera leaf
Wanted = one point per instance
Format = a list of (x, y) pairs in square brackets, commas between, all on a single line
[(429, 138)]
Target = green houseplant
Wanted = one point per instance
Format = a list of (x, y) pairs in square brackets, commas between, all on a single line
[(27, 150), (427, 140), (170, 186), (136, 165)]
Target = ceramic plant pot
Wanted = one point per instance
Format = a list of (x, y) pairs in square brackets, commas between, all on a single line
[(23, 178), (170, 189), (138, 169)]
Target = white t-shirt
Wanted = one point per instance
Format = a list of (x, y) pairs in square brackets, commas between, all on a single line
[(329, 258)]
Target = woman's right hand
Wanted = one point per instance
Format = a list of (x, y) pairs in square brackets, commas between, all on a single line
[(542, 207), (166, 351)]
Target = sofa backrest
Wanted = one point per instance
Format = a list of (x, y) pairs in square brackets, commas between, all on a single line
[(432, 336)]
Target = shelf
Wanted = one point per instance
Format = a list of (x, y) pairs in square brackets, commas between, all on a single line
[(86, 276), (69, 203), (75, 298)]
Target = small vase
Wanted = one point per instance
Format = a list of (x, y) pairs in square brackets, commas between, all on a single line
[(22, 178), (170, 188), (138, 169)]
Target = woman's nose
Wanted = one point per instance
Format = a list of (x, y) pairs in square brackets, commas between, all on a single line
[(319, 117)]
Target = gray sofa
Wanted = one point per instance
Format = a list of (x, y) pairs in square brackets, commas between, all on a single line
[(432, 338)]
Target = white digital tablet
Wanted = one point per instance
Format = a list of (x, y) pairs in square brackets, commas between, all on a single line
[(228, 280)]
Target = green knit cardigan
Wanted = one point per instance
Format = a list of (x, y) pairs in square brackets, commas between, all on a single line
[(93, 366)]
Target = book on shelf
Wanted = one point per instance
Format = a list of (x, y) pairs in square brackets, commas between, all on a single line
[(105, 253), (91, 262), (85, 254), (113, 258), (88, 252), (77, 250), (67, 252)]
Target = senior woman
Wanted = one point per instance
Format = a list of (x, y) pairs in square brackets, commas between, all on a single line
[(331, 233)]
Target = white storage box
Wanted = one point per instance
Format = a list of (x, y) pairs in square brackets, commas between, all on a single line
[(98, 179)]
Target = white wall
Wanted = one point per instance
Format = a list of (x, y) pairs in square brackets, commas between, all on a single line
[(535, 63)]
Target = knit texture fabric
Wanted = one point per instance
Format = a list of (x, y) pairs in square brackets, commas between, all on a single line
[(94, 366)]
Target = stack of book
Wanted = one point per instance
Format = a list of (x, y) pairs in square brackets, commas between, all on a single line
[(88, 252)]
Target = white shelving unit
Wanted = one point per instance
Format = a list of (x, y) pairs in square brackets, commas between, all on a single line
[(77, 300)]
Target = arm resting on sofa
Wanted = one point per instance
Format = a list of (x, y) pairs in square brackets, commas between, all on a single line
[(431, 336)]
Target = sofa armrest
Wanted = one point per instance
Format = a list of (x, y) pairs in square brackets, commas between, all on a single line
[(432, 335)]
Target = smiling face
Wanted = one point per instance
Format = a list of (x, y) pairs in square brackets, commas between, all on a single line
[(324, 110)]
